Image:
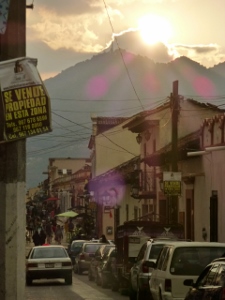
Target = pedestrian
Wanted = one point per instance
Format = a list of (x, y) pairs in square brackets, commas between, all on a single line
[(103, 239), (58, 234), (36, 238), (42, 237), (48, 229)]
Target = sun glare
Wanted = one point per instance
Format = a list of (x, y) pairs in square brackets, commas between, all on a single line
[(154, 29)]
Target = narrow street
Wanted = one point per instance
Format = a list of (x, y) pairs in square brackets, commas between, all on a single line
[(81, 288)]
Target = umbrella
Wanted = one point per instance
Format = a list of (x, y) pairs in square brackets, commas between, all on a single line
[(68, 214), (52, 199)]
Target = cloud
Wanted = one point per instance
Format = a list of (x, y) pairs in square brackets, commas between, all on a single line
[(199, 48), (81, 29), (207, 55), (132, 41), (61, 8), (50, 63)]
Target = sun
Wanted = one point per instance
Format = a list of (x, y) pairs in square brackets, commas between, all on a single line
[(154, 29)]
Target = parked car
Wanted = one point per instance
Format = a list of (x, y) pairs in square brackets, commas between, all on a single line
[(140, 273), (106, 269), (210, 284), (96, 261), (48, 262), (99, 241), (75, 248), (83, 259), (178, 262)]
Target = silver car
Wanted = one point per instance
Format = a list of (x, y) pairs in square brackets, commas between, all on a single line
[(48, 262), (83, 259)]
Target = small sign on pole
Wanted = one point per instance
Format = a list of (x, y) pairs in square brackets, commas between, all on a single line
[(25, 104), (172, 183)]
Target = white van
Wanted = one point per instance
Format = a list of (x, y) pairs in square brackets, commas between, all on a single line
[(180, 261)]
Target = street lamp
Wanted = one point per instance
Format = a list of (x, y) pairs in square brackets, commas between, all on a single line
[(139, 138)]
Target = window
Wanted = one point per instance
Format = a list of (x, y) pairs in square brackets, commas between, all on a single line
[(209, 276), (127, 212), (203, 276), (155, 250), (142, 252), (76, 246), (144, 210), (49, 252), (162, 257), (166, 259), (91, 248), (220, 279), (135, 213), (192, 260)]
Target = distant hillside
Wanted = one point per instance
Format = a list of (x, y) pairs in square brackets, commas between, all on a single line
[(108, 85), (148, 78)]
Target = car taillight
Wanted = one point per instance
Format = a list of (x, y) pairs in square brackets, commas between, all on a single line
[(145, 268), (82, 256), (66, 264), (168, 285)]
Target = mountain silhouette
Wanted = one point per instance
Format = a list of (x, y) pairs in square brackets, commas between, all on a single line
[(114, 84)]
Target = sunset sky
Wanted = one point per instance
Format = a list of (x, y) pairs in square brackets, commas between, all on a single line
[(63, 33)]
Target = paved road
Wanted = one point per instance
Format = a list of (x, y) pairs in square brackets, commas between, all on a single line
[(81, 288), (56, 290)]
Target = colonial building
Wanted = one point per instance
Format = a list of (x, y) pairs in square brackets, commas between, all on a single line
[(111, 146), (60, 174), (119, 199), (158, 156), (206, 202)]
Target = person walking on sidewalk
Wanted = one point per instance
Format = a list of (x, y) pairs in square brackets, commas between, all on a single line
[(36, 238), (48, 230), (58, 234), (42, 237)]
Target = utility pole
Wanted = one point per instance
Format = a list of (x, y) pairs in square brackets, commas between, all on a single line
[(175, 107), (175, 114), (12, 174)]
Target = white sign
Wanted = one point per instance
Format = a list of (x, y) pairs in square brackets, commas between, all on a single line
[(24, 101), (171, 176)]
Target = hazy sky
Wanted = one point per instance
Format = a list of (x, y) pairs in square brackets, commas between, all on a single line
[(63, 33)]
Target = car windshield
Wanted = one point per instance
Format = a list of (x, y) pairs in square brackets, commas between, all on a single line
[(191, 261), (48, 252), (91, 248), (76, 246), (155, 250)]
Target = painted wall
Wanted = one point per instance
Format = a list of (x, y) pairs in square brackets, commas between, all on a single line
[(114, 147)]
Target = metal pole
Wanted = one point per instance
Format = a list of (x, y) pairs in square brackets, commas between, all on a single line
[(173, 199)]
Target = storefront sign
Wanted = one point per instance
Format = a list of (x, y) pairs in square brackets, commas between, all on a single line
[(25, 104), (172, 187), (172, 183)]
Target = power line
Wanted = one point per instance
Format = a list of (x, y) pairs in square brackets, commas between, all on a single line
[(121, 54)]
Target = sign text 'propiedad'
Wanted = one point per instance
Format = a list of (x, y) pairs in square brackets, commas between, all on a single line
[(26, 105)]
